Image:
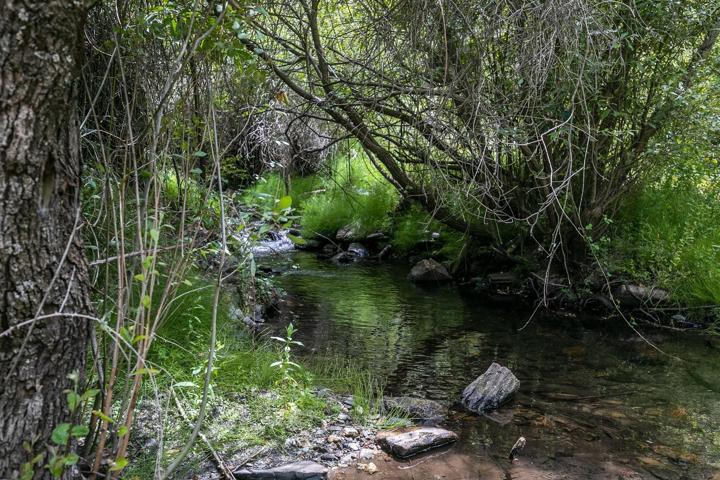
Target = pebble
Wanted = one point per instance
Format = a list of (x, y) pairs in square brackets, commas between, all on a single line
[(333, 438), (370, 468), (348, 459), (350, 432), (366, 453)]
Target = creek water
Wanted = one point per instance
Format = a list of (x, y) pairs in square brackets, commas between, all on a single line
[(596, 401)]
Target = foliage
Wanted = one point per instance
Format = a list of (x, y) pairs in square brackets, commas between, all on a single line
[(285, 364), (355, 195), (234, 174), (670, 235), (541, 115), (269, 188), (414, 226)]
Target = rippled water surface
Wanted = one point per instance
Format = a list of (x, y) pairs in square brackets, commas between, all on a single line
[(595, 401)]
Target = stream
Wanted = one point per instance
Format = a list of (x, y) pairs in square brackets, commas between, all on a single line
[(596, 401)]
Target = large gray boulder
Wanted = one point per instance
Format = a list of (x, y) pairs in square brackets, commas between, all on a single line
[(293, 471), (490, 390), (429, 270), (417, 440), (418, 409)]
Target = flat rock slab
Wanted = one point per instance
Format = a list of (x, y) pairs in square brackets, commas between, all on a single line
[(411, 442), (292, 471), (490, 390), (419, 409)]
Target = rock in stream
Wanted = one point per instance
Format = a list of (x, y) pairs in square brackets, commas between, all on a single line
[(411, 442), (429, 270), (490, 390)]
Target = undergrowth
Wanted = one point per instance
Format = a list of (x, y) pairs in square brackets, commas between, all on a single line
[(252, 403), (669, 235)]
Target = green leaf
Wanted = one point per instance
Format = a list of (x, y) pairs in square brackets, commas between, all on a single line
[(102, 416), (140, 277), (74, 376), (297, 240), (146, 301), (71, 459), (196, 171), (122, 431), (185, 384), (119, 464), (125, 334), (154, 234), (61, 434), (284, 202), (79, 430), (73, 400), (200, 154), (90, 393)]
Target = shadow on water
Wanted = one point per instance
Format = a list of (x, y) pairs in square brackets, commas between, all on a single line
[(595, 401)]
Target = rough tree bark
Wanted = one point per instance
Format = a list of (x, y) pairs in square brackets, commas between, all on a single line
[(42, 270)]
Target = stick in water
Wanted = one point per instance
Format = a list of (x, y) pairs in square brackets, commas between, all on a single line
[(519, 445)]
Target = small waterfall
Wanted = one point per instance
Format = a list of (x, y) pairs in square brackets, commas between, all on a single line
[(278, 243)]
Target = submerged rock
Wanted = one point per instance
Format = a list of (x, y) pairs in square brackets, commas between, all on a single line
[(412, 442), (419, 409), (490, 390), (293, 471), (429, 270)]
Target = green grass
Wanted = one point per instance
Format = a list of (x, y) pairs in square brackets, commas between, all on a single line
[(669, 235), (251, 404), (354, 194), (342, 375), (415, 225), (271, 187), (349, 192)]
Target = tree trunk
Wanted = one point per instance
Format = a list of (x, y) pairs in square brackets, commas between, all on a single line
[(42, 269)]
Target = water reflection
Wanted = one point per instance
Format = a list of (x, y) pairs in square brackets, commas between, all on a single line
[(594, 400)]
